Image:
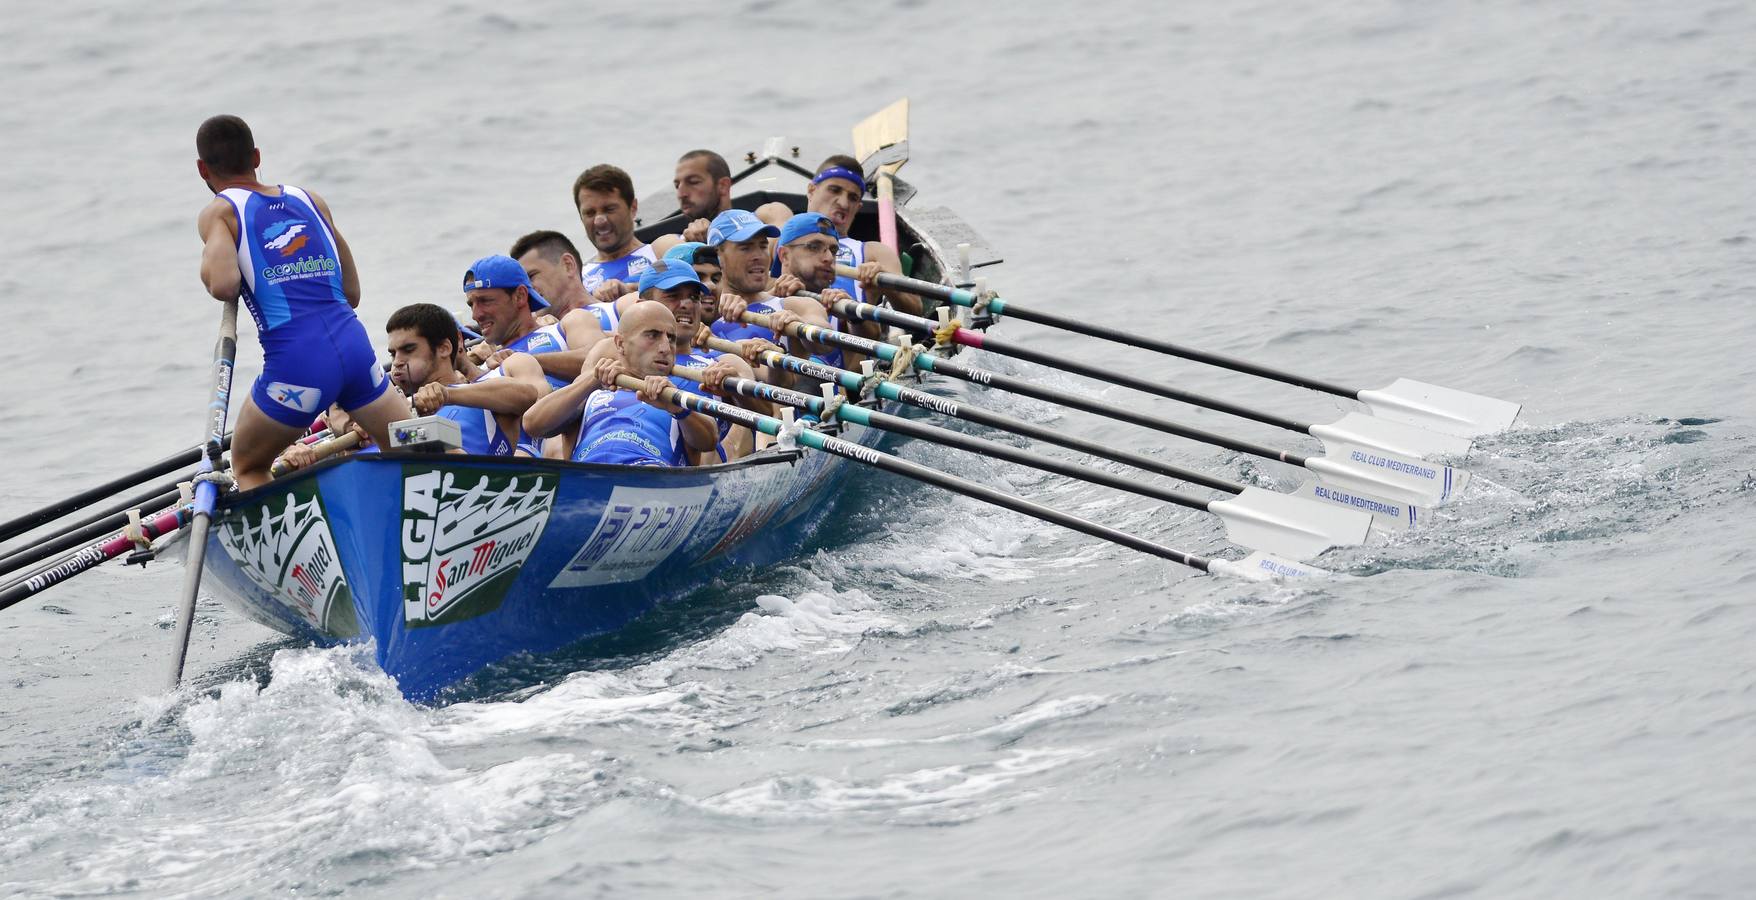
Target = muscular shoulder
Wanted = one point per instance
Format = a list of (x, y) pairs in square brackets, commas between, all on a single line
[(522, 365), (217, 213)]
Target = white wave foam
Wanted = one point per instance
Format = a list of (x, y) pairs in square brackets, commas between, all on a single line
[(935, 795), (324, 777)]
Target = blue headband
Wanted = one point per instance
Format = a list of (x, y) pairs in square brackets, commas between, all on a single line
[(839, 172)]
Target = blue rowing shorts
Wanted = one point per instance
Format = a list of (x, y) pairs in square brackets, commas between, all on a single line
[(308, 365)]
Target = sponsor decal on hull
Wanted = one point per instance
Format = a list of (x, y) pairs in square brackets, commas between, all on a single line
[(285, 548), (465, 535), (640, 527)]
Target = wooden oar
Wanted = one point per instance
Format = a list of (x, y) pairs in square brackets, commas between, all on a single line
[(56, 510), (1427, 406), (1261, 520), (882, 140), (1388, 513), (1257, 566), (1356, 468), (158, 525), (206, 491)]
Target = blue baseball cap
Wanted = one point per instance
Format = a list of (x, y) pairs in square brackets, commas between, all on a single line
[(737, 225), (807, 223), (501, 272), (685, 251), (670, 273), (463, 328)]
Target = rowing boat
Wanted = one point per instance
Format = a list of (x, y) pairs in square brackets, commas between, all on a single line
[(449, 563)]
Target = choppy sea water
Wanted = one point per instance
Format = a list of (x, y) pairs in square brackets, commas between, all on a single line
[(1548, 693)]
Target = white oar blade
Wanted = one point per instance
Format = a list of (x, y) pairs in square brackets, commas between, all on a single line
[(1264, 567), (1440, 408), (1393, 437), (1391, 516), (1289, 526), (1389, 475)]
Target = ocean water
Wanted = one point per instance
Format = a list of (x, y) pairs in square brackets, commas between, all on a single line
[(1550, 692)]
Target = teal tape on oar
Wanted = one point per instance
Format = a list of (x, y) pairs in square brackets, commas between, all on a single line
[(1380, 472), (896, 465), (1260, 520), (1430, 406)]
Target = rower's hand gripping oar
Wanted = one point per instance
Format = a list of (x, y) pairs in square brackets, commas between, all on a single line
[(1377, 472), (206, 489), (1255, 567), (1427, 406), (1261, 520), (1390, 515)]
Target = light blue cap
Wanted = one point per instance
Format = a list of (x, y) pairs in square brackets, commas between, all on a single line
[(737, 225)]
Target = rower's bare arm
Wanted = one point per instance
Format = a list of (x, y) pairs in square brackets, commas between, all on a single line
[(774, 213), (219, 250), (350, 276), (551, 414), (499, 395), (663, 244), (888, 261)]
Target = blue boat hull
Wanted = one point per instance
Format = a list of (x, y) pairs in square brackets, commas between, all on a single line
[(451, 563)]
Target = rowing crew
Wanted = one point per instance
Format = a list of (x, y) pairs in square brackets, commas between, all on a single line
[(633, 309)]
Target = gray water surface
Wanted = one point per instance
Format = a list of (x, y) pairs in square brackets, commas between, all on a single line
[(1549, 693)]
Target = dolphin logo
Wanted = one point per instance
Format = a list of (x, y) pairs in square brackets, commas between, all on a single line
[(286, 236)]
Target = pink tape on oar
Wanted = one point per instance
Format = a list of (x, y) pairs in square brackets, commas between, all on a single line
[(968, 338), (886, 215), (158, 526)]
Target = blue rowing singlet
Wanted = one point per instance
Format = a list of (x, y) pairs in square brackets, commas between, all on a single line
[(314, 350), (850, 253), (737, 331), (545, 339), (606, 313), (481, 431), (626, 269), (618, 428)]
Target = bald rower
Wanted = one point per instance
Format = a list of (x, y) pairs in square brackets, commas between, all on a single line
[(623, 427)]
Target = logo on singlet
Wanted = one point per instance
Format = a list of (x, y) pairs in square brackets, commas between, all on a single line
[(286, 236)]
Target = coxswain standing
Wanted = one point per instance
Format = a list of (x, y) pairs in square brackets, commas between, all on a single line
[(277, 248)]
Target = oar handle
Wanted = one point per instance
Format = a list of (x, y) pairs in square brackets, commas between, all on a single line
[(324, 450)]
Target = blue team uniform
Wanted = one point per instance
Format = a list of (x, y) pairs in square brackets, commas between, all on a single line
[(314, 350), (481, 431), (626, 269), (606, 314), (618, 428), (547, 339), (737, 331), (850, 253)]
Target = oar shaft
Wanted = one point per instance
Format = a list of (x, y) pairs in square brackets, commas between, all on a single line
[(890, 390), (969, 338), (206, 492), (83, 532), (999, 307), (159, 525), (60, 508), (896, 465), (859, 415), (928, 362), (1108, 374)]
